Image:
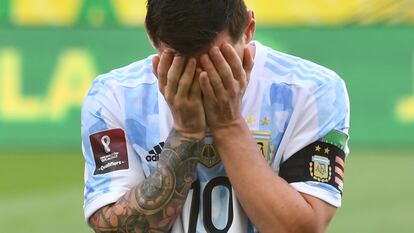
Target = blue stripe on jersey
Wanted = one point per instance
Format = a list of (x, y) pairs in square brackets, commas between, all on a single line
[(280, 111), (301, 68), (297, 73), (281, 95), (100, 124), (131, 72), (206, 174), (329, 116), (148, 61), (137, 133), (341, 100), (140, 112), (96, 85), (329, 94), (102, 181), (135, 73), (302, 65), (324, 186)]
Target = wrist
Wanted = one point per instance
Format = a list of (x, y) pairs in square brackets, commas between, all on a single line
[(192, 135), (235, 128)]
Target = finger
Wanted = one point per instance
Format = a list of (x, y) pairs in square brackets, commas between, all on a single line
[(213, 76), (155, 63), (206, 86), (161, 82), (164, 65), (174, 74), (222, 67), (186, 80), (195, 87), (233, 60), (248, 61)]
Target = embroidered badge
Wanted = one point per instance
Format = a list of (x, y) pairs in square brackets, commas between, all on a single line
[(109, 151)]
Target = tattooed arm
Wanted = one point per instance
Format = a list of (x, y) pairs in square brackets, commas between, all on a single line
[(154, 204)]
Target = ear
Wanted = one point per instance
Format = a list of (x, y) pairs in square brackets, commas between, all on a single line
[(250, 28)]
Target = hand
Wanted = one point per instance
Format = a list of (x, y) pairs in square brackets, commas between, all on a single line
[(223, 83), (178, 82)]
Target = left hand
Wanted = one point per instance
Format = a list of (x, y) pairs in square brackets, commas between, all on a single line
[(223, 83)]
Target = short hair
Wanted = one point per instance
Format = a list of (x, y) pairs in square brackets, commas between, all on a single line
[(189, 26)]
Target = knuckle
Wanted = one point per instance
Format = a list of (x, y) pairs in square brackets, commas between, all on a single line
[(243, 81), (170, 74), (242, 84), (184, 82), (162, 73), (179, 103), (232, 92), (222, 99), (169, 98)]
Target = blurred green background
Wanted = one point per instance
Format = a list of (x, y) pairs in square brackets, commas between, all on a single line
[(50, 52)]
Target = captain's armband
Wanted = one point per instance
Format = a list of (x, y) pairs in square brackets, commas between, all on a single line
[(322, 161)]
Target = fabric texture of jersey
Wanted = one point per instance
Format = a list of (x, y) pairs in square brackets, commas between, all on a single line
[(289, 104)]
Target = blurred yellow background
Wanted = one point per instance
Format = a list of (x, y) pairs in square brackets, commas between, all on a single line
[(269, 12)]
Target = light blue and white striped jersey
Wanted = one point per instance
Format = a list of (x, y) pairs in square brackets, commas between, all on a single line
[(289, 104)]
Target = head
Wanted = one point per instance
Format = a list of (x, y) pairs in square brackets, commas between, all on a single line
[(191, 27)]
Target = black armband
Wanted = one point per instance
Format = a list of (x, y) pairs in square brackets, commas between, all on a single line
[(320, 161)]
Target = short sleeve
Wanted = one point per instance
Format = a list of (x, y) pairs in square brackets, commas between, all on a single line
[(323, 113), (111, 164)]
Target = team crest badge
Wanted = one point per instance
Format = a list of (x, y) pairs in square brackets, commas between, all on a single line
[(263, 139), (320, 166), (209, 157)]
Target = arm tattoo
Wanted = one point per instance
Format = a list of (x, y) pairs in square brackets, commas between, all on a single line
[(154, 204)]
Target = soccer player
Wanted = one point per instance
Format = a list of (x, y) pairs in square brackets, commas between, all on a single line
[(215, 133)]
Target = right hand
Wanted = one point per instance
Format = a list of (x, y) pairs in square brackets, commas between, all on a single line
[(178, 83)]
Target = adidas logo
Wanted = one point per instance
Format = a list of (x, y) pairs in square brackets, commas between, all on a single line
[(154, 154)]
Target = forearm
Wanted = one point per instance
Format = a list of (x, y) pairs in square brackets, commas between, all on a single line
[(155, 203), (273, 204)]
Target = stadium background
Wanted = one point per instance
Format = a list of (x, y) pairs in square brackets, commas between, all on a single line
[(50, 52)]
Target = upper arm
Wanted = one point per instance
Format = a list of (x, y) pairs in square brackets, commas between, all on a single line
[(111, 166), (323, 211), (314, 160)]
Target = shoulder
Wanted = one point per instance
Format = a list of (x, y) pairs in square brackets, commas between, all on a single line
[(304, 75), (114, 91), (130, 76)]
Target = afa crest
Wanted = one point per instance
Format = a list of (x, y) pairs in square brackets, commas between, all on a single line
[(318, 162), (320, 168), (263, 139), (209, 156)]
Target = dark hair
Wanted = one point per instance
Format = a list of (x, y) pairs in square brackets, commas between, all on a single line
[(190, 26)]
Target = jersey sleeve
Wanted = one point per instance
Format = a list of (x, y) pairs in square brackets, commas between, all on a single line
[(111, 164), (314, 159)]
